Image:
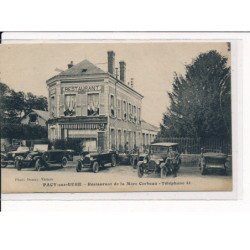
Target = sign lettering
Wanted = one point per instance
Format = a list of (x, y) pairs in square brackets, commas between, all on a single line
[(82, 89)]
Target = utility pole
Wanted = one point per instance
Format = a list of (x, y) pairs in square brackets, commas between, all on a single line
[(116, 76)]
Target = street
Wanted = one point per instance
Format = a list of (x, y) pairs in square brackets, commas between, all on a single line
[(119, 178)]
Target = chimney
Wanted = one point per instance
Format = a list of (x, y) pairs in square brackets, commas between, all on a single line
[(70, 65), (111, 62), (122, 71), (132, 83)]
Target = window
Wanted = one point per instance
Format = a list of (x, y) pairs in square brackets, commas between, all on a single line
[(70, 104), (119, 109), (130, 111), (52, 105), (124, 110), (93, 104), (134, 114), (33, 118), (139, 115), (112, 105)]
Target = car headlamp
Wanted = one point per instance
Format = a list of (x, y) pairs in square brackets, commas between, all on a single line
[(13, 155), (145, 161)]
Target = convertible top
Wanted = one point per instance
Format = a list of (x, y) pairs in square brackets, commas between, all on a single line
[(164, 144)]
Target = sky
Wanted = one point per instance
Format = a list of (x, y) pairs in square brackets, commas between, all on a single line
[(26, 67)]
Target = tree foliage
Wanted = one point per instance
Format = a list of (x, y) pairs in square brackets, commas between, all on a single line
[(15, 105), (200, 101)]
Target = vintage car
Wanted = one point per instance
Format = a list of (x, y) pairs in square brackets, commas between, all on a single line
[(212, 161), (95, 160), (10, 157), (162, 158), (43, 160), (129, 158)]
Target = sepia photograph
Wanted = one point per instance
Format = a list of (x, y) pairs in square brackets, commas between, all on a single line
[(144, 116)]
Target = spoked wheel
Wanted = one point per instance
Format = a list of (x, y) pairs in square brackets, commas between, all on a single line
[(113, 160), (3, 165), (140, 171), (38, 165), (18, 165), (64, 162), (79, 167), (96, 167)]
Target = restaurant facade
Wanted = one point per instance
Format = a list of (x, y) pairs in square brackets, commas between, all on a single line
[(99, 107)]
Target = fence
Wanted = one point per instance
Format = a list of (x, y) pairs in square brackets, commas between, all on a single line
[(194, 145)]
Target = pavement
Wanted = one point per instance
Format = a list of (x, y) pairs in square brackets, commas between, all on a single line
[(120, 178)]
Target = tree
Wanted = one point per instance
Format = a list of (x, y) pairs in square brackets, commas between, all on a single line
[(15, 105), (200, 101)]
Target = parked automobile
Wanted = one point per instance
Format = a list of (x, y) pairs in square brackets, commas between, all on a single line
[(9, 158), (127, 158), (43, 160), (162, 158), (96, 160), (211, 161)]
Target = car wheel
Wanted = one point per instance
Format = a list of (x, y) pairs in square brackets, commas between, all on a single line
[(64, 162), (18, 165), (113, 160), (140, 171), (79, 167), (95, 167), (3, 165), (38, 165)]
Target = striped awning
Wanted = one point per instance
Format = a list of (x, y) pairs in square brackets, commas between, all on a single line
[(90, 126)]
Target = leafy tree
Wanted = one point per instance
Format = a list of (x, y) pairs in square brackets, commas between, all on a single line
[(15, 105), (200, 101)]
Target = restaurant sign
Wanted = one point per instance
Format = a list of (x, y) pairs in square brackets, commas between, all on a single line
[(82, 89)]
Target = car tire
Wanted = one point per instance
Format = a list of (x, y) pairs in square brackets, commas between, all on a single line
[(140, 171), (95, 167), (79, 167), (3, 165), (38, 165), (18, 165), (113, 160), (64, 162)]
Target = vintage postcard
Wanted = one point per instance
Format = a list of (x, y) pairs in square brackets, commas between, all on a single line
[(144, 116)]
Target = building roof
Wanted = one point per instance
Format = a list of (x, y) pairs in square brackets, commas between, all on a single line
[(81, 68), (43, 114), (147, 126)]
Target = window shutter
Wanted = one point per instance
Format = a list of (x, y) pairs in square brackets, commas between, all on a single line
[(61, 105), (84, 104), (78, 105), (101, 104)]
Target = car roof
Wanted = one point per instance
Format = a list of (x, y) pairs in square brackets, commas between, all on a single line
[(164, 144)]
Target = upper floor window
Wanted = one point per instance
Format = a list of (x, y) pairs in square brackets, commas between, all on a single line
[(112, 105), (119, 109), (70, 104), (139, 115), (124, 110), (93, 104)]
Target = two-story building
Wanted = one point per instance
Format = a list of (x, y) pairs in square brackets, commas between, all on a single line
[(98, 107)]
